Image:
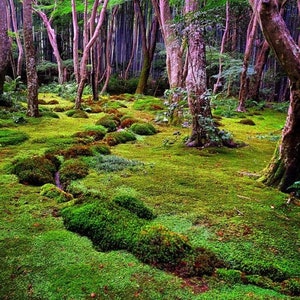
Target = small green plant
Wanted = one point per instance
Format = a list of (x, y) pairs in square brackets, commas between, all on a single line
[(135, 206), (143, 128), (12, 137), (295, 188)]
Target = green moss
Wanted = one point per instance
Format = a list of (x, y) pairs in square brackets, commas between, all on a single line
[(77, 113), (143, 128), (110, 122), (148, 103), (12, 137), (229, 275), (53, 192), (119, 137)]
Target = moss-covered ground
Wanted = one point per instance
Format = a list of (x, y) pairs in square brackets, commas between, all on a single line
[(212, 196)]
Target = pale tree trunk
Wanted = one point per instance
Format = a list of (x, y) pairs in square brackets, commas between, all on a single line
[(251, 32), (53, 42), (18, 40), (86, 51), (148, 48), (284, 168), (172, 43), (109, 49), (4, 43), (75, 41), (218, 84), (31, 74)]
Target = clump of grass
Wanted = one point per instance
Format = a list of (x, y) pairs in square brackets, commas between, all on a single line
[(112, 163), (51, 191), (119, 137), (36, 170), (135, 206), (110, 122), (143, 128), (12, 137), (72, 169)]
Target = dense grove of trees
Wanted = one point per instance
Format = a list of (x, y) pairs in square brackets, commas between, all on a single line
[(248, 49)]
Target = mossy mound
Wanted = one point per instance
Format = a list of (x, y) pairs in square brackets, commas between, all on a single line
[(101, 149), (119, 137), (143, 128), (96, 133), (77, 113), (127, 121), (77, 150), (148, 104), (36, 170), (51, 191), (109, 226), (12, 137), (72, 169), (247, 122), (111, 122), (134, 205)]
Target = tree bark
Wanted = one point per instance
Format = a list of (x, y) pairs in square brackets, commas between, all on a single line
[(251, 32), (75, 41), (86, 51), (31, 74), (284, 169), (4, 43)]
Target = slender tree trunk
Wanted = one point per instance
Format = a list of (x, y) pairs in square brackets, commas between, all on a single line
[(260, 63), (18, 40), (222, 50), (148, 48), (86, 51), (4, 43), (32, 79), (53, 42), (108, 50), (284, 168), (75, 41), (251, 32)]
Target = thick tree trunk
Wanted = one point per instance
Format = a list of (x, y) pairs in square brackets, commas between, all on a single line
[(31, 74), (284, 168), (75, 41), (4, 43)]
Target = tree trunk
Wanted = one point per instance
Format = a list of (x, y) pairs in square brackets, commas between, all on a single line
[(53, 42), (4, 43), (203, 129), (252, 28), (218, 83), (75, 41), (284, 168), (31, 74), (86, 51), (148, 48)]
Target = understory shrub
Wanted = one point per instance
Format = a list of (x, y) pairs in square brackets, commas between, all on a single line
[(109, 226), (12, 137), (53, 192), (36, 170), (143, 128), (119, 137), (72, 169), (135, 206)]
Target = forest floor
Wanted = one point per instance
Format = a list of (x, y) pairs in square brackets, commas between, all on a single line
[(211, 196)]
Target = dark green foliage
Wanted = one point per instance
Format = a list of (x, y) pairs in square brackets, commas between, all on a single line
[(72, 169), (291, 286), (143, 128), (111, 122), (247, 122), (119, 137), (53, 192), (112, 163), (12, 137), (77, 113), (118, 85), (158, 245), (295, 188), (135, 206), (36, 170), (77, 150), (109, 226), (261, 281)]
